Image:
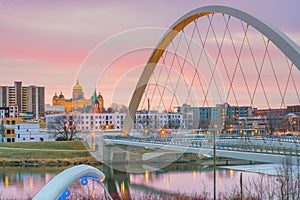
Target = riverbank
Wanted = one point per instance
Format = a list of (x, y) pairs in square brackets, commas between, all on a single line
[(62, 153)]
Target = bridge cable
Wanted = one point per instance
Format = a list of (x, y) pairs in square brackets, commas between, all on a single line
[(275, 75), (216, 62), (182, 65), (203, 43), (194, 65), (290, 66), (259, 75), (238, 64)]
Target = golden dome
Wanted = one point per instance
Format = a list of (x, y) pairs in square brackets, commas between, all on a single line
[(77, 86)]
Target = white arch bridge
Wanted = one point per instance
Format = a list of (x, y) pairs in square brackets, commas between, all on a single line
[(211, 55)]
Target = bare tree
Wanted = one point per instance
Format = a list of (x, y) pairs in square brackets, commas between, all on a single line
[(64, 126), (288, 180)]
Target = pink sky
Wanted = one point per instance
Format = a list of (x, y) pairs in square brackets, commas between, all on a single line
[(50, 43)]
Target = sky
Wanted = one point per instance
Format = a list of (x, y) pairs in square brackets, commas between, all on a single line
[(53, 43)]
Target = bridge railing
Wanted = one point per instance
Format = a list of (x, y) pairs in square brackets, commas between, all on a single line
[(281, 146)]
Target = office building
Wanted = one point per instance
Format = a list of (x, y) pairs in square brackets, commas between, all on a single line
[(30, 100)]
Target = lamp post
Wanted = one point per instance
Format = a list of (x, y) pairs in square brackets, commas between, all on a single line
[(215, 176), (29, 134), (93, 146)]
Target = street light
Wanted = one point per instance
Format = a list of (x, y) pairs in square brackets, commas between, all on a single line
[(93, 146), (215, 176)]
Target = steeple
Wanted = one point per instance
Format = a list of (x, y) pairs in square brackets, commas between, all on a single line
[(95, 104), (95, 98)]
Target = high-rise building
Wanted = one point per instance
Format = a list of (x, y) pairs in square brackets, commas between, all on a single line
[(29, 99)]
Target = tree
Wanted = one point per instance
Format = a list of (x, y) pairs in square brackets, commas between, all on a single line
[(64, 126)]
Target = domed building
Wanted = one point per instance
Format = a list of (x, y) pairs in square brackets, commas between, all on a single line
[(77, 91), (61, 101), (78, 102)]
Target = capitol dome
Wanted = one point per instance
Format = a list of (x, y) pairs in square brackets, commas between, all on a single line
[(77, 86)]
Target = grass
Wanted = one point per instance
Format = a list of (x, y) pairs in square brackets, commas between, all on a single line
[(45, 150), (68, 145)]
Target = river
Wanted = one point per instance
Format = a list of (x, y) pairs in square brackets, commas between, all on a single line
[(185, 179)]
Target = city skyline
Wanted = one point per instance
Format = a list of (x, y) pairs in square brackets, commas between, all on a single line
[(51, 44)]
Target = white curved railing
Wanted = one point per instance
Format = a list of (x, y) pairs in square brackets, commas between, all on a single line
[(56, 188)]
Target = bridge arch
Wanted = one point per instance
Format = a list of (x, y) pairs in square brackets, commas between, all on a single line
[(278, 38)]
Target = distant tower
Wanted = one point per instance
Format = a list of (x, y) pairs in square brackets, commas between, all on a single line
[(61, 99), (95, 104), (101, 102), (55, 100), (77, 91)]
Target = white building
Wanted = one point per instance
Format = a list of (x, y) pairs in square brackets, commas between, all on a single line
[(29, 133), (14, 130), (87, 121), (102, 121)]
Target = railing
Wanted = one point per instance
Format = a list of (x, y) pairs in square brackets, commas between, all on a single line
[(280, 146)]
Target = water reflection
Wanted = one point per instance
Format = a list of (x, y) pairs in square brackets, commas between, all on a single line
[(18, 182)]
